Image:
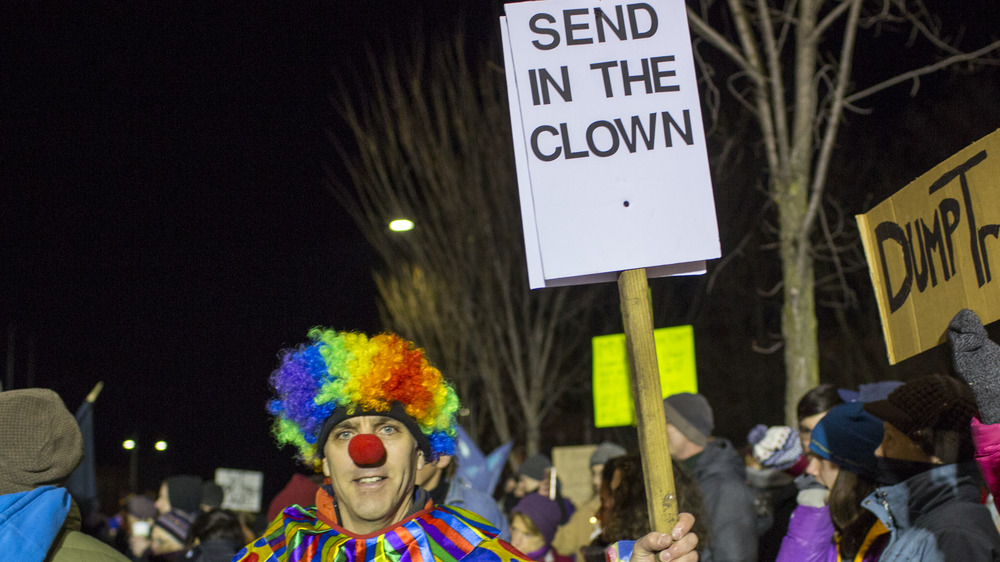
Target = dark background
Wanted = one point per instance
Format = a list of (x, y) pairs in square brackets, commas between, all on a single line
[(164, 222)]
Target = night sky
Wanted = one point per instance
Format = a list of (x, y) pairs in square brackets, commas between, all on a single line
[(165, 226)]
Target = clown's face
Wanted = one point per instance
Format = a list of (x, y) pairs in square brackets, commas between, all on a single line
[(372, 497)]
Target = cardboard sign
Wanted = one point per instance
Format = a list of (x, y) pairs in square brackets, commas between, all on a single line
[(933, 249), (613, 405), (573, 469), (242, 489), (612, 167)]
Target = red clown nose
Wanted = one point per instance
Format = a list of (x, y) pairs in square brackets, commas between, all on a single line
[(366, 448)]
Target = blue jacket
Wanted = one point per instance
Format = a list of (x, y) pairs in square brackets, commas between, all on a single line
[(30, 522), (41, 524), (936, 516)]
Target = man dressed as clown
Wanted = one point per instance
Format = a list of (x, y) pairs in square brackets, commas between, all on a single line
[(369, 413)]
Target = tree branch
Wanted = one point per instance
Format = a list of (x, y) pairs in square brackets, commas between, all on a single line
[(916, 73)]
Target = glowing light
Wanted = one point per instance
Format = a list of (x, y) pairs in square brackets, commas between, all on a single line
[(401, 225), (160, 445), (128, 444)]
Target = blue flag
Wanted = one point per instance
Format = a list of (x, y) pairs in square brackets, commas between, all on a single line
[(82, 484)]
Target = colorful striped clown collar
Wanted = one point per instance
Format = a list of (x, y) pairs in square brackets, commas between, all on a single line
[(328, 512), (433, 533)]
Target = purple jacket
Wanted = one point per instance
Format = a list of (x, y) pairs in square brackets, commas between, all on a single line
[(810, 537)]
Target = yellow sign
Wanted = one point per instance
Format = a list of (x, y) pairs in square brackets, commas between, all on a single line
[(612, 382), (933, 249)]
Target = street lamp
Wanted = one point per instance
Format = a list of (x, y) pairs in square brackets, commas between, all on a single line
[(133, 463), (400, 225), (160, 445)]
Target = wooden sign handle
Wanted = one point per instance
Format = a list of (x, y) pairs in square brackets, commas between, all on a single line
[(657, 468)]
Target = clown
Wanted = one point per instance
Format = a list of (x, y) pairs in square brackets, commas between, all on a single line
[(369, 413)]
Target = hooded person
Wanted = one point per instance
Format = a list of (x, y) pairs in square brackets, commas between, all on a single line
[(40, 446), (369, 413), (720, 472), (929, 485)]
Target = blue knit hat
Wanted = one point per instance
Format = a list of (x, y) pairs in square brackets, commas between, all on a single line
[(848, 436)]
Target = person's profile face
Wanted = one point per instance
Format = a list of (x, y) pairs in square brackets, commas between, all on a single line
[(372, 497), (596, 473), (163, 500), (522, 537), (824, 471), (896, 445), (526, 485)]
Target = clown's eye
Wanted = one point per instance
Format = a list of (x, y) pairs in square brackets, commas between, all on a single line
[(388, 429), (344, 434)]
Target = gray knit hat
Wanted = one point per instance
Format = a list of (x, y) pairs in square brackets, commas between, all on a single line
[(691, 414), (534, 466), (605, 452), (40, 442)]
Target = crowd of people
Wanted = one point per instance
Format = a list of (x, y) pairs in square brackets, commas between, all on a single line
[(891, 471)]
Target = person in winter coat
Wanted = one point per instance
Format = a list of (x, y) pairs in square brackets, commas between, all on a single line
[(929, 485), (719, 470), (40, 446), (842, 459), (774, 460)]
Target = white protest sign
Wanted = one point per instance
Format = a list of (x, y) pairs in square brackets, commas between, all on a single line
[(242, 489), (608, 139)]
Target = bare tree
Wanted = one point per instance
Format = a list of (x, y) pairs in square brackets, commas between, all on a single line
[(798, 92), (432, 143)]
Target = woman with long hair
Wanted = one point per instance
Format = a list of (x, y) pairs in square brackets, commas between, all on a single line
[(842, 458)]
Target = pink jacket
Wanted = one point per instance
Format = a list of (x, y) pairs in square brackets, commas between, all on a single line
[(987, 441)]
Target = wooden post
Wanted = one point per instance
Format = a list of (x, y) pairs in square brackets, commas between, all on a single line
[(657, 469)]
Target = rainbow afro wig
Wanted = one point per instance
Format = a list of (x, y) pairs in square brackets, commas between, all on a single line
[(345, 374)]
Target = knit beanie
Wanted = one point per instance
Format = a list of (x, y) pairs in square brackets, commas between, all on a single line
[(534, 467), (848, 436), (605, 452), (977, 361), (41, 442), (175, 522), (184, 492), (141, 507), (212, 494), (543, 512), (933, 411), (691, 414), (777, 447)]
